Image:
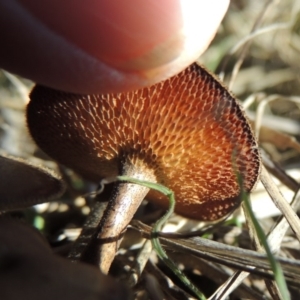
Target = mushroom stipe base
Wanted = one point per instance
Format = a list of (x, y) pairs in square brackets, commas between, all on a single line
[(120, 209)]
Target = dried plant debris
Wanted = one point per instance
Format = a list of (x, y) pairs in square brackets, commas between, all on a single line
[(257, 51), (23, 185)]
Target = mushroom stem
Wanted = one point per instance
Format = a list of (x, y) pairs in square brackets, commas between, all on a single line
[(120, 210)]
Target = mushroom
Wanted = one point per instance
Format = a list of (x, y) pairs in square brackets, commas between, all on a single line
[(187, 133)]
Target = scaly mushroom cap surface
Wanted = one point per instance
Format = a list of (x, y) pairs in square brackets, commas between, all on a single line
[(189, 129)]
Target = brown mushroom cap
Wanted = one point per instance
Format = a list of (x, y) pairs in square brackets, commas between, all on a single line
[(189, 129)]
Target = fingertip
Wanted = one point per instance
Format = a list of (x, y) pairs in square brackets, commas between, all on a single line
[(74, 58)]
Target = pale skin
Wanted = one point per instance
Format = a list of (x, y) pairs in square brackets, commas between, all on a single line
[(103, 46)]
